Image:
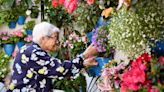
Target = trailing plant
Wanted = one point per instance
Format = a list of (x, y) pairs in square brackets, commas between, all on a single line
[(4, 64)]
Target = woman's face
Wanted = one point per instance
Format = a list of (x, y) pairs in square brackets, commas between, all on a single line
[(50, 43)]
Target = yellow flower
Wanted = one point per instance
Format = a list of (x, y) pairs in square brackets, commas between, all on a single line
[(42, 71), (11, 86), (29, 75), (60, 69), (106, 12)]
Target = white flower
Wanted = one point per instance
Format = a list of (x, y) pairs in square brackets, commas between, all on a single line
[(28, 12), (42, 83), (71, 46), (79, 40)]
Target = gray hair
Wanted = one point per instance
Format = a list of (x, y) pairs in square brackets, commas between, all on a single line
[(43, 29)]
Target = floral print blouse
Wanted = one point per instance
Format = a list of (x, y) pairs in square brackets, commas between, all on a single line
[(34, 69)]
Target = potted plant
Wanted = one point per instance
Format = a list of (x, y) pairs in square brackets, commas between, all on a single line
[(34, 11), (86, 16), (58, 16), (8, 17), (7, 41), (21, 10), (29, 27), (18, 37)]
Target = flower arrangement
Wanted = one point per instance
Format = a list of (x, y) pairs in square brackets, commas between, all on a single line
[(142, 74), (4, 64)]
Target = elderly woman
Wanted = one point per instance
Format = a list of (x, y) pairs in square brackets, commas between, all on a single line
[(34, 68)]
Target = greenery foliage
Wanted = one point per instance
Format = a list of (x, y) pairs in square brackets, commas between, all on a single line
[(4, 64), (29, 25)]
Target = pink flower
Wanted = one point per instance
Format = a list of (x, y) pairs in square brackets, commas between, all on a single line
[(105, 86), (90, 2), (161, 60), (72, 6), (5, 38), (67, 3), (55, 3), (28, 38), (17, 33)]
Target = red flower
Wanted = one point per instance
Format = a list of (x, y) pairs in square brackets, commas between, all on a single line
[(55, 3), (90, 2), (61, 2), (134, 77), (161, 60), (146, 57)]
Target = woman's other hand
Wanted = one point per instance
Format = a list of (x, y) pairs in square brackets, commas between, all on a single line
[(90, 51), (90, 62)]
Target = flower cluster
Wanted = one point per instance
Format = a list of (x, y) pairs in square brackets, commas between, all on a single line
[(5, 38), (28, 39), (76, 44), (135, 76), (18, 35), (142, 74), (100, 39), (69, 5)]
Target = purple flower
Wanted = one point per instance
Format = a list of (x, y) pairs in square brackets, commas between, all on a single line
[(99, 42)]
